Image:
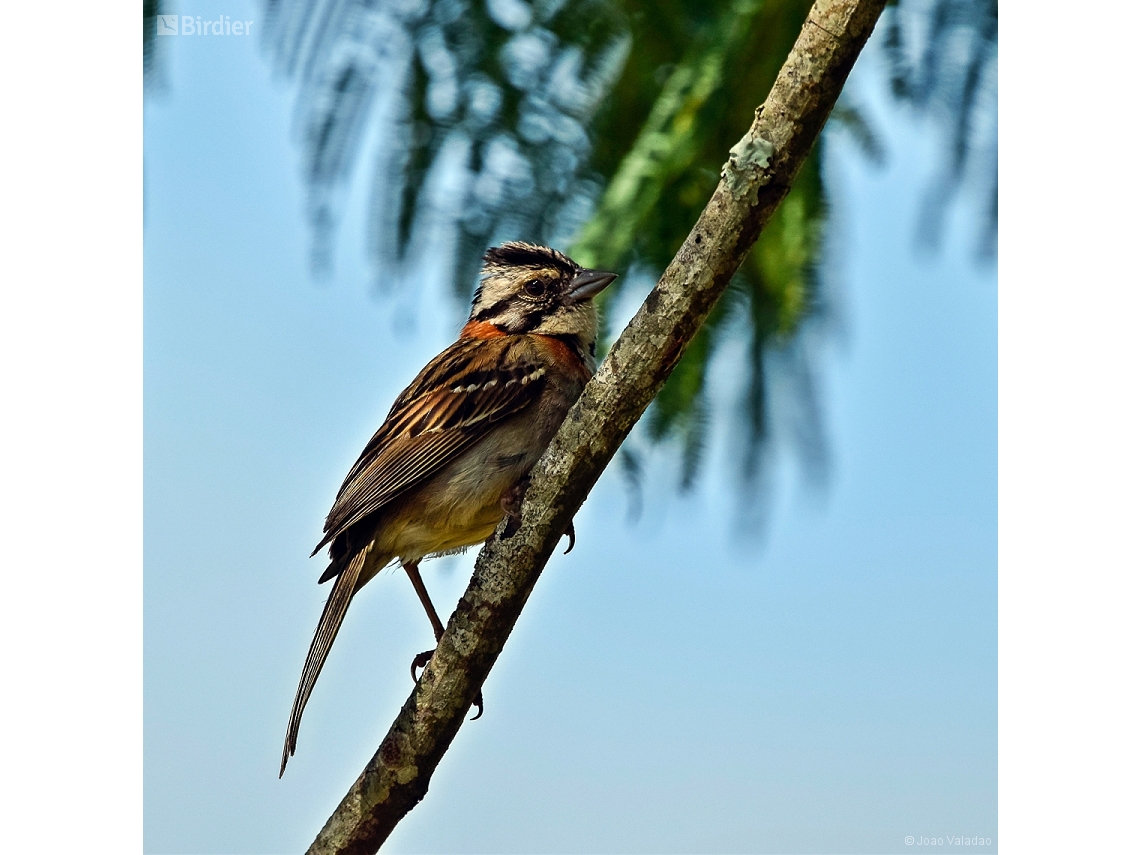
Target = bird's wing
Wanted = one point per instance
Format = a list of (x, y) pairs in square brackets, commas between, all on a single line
[(453, 402)]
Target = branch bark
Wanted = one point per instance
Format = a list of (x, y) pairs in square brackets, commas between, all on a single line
[(757, 176)]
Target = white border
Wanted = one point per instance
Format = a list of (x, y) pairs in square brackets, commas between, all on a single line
[(71, 362), (1068, 429), (71, 365)]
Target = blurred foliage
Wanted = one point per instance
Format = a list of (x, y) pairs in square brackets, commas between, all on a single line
[(152, 70), (943, 58), (485, 108), (600, 127), (697, 74)]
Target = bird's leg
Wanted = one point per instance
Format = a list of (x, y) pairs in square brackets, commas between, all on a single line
[(412, 568)]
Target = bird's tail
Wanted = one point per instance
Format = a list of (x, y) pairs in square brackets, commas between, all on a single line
[(331, 618)]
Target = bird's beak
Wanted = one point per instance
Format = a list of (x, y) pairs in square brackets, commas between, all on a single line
[(589, 283)]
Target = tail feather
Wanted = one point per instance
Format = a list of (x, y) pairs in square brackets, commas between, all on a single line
[(331, 618)]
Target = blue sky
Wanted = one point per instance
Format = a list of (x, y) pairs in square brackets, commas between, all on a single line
[(673, 685)]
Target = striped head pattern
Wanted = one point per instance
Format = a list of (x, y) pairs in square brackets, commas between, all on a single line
[(534, 289)]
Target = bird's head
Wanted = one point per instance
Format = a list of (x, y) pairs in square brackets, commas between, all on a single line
[(535, 289)]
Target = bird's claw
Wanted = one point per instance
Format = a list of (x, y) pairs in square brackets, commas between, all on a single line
[(570, 534), (421, 661)]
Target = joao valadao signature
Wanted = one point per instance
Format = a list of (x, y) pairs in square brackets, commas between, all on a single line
[(948, 840)]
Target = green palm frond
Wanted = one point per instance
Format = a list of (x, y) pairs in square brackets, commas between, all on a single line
[(694, 112)]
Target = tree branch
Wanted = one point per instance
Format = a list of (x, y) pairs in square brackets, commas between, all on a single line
[(757, 176)]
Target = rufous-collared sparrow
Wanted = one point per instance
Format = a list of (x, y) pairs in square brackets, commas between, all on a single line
[(449, 459)]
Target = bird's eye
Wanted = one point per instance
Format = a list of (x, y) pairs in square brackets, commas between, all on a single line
[(535, 287)]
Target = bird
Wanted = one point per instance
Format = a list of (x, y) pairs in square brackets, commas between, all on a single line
[(455, 451)]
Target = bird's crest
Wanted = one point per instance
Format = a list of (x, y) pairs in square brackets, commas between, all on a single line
[(520, 254)]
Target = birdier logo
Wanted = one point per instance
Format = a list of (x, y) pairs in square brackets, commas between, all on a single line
[(193, 25)]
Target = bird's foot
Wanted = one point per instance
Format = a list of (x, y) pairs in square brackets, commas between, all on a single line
[(421, 661), (511, 503)]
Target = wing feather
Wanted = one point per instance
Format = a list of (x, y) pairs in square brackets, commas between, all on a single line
[(332, 616), (453, 402)]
